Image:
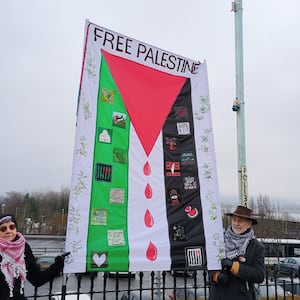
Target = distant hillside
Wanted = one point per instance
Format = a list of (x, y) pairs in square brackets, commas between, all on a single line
[(288, 206)]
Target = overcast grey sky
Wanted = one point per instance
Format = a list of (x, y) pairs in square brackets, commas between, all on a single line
[(40, 65)]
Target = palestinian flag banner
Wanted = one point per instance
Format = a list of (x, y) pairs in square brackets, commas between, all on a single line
[(144, 193)]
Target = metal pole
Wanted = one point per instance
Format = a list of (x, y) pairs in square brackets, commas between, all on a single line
[(238, 105)]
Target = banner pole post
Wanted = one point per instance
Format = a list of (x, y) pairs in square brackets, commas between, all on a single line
[(239, 103)]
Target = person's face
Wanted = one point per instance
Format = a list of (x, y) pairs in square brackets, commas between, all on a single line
[(239, 224), (8, 231)]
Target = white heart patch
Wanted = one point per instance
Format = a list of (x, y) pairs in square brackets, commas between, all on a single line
[(99, 259)]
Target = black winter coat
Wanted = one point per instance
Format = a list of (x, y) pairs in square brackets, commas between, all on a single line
[(35, 276), (241, 286)]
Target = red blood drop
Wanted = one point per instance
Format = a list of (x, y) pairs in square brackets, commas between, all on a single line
[(148, 191), (151, 253), (148, 219), (147, 169)]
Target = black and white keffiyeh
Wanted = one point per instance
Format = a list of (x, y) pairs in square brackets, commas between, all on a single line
[(236, 244)]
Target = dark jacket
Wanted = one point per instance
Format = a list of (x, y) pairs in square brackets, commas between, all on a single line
[(241, 285), (35, 276)]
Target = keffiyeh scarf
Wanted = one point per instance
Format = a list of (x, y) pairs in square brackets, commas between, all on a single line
[(236, 244), (13, 262)]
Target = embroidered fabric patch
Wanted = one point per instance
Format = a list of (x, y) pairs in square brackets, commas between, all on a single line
[(178, 232), (174, 196), (189, 183), (103, 172), (187, 158), (99, 216), (116, 237), (181, 113), (171, 143), (107, 95), (119, 119), (194, 256), (120, 155), (172, 168), (183, 128), (99, 259), (191, 212), (116, 195), (104, 135)]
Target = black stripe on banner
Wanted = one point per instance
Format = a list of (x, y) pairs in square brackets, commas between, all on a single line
[(184, 210)]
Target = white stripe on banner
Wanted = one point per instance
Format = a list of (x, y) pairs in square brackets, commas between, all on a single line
[(82, 173), (212, 219), (141, 235)]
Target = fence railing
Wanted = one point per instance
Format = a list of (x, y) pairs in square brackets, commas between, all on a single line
[(47, 251), (150, 285)]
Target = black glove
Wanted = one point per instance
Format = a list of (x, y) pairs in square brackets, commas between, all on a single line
[(60, 259), (226, 264), (223, 278)]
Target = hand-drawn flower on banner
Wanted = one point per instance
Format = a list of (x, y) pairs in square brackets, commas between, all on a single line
[(81, 151), (206, 140), (80, 185), (75, 247), (204, 108), (213, 205), (207, 171), (74, 219), (90, 66), (209, 195), (219, 244), (86, 110)]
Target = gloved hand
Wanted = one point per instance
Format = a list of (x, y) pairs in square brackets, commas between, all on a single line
[(60, 259), (226, 264), (223, 278)]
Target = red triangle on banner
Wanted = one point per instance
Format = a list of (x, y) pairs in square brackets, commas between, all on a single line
[(148, 95)]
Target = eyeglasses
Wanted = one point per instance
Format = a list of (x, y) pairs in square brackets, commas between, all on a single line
[(11, 227)]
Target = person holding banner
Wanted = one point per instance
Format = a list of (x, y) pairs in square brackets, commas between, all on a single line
[(243, 265), (17, 262)]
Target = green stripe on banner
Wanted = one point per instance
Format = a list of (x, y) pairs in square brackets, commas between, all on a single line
[(107, 247)]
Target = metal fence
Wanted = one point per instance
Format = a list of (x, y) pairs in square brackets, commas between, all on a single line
[(150, 285)]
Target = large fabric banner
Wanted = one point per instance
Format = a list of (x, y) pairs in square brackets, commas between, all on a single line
[(144, 192)]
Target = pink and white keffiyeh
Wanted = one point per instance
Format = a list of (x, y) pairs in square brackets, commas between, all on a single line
[(13, 262)]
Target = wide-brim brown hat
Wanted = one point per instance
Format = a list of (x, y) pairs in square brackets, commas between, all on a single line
[(243, 212)]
